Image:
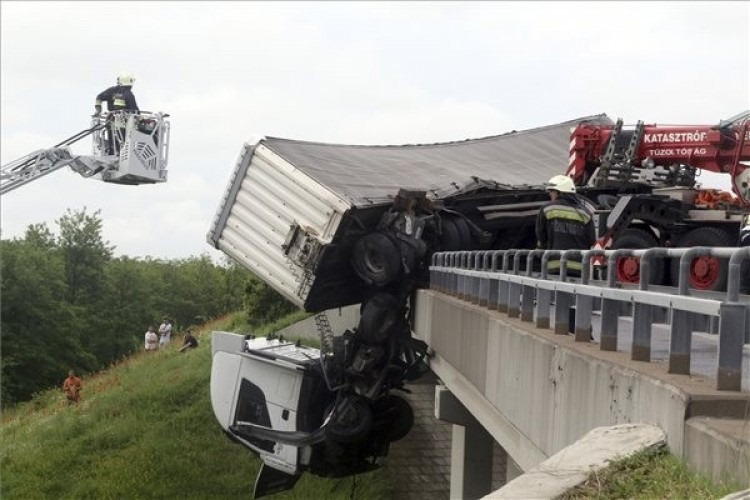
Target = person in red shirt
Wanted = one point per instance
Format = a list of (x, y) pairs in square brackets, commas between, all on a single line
[(72, 387)]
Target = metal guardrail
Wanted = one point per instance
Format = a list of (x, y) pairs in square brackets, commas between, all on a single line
[(494, 279)]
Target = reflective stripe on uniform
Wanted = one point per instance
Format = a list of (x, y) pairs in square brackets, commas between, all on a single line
[(560, 212), (118, 102)]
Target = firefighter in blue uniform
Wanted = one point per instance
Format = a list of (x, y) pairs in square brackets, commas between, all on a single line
[(565, 222), (118, 98)]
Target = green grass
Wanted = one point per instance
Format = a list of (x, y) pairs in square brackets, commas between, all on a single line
[(144, 429), (651, 474)]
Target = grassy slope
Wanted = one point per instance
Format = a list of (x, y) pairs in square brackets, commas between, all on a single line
[(144, 429), (651, 474)]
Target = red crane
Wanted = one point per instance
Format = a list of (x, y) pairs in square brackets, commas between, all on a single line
[(648, 175)]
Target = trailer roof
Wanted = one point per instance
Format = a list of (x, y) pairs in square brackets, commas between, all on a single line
[(372, 174)]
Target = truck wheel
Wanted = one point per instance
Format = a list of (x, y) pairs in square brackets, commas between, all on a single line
[(379, 317), (464, 232), (376, 259), (352, 421), (627, 269), (397, 414), (706, 273), (450, 240)]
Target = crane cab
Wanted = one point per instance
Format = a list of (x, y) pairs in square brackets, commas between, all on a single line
[(134, 146)]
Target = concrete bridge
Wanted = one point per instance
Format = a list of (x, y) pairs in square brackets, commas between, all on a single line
[(514, 391)]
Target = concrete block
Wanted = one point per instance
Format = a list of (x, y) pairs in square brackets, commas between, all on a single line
[(719, 447), (573, 465)]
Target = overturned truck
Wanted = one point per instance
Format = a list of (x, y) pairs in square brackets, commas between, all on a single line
[(330, 225)]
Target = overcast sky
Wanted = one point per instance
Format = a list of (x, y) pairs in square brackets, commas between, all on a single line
[(366, 73)]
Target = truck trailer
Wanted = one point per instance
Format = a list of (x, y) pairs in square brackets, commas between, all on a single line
[(329, 225)]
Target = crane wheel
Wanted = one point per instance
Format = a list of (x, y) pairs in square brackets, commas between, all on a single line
[(706, 272), (627, 269)]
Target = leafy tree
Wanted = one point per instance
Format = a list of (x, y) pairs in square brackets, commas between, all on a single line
[(40, 236), (38, 338), (85, 253), (68, 303), (264, 304)]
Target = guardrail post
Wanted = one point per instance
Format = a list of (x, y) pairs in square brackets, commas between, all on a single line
[(543, 307), (476, 281), (641, 349), (680, 330), (514, 289), (544, 296), (445, 274), (433, 272), (463, 264), (472, 283), (584, 304), (584, 308), (732, 328), (468, 279), (734, 270), (494, 281), (610, 319), (527, 291), (563, 302), (680, 341), (442, 275), (502, 292), (643, 317), (484, 281), (469, 264), (453, 281)]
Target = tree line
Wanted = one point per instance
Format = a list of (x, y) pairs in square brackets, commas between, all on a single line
[(68, 303)]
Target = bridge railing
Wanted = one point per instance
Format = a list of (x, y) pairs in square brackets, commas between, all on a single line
[(495, 279)]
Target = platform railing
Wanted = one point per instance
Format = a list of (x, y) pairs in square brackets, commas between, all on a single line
[(509, 282)]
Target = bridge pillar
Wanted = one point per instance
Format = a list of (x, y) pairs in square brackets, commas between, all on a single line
[(471, 448)]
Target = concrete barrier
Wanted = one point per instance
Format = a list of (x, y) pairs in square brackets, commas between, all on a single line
[(536, 392)]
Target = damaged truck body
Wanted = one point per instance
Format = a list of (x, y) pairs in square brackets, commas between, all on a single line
[(330, 225)]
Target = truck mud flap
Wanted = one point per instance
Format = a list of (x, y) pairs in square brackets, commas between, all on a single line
[(270, 481)]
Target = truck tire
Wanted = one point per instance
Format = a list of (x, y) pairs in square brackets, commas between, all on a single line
[(396, 414), (627, 269), (376, 259), (464, 233), (450, 240), (706, 273), (380, 318), (352, 422)]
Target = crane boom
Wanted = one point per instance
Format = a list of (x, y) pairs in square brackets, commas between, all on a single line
[(661, 156), (128, 148)]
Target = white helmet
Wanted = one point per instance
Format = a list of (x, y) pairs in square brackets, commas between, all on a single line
[(125, 78), (561, 183)]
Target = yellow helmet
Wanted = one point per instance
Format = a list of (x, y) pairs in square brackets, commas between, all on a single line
[(125, 78), (561, 183)]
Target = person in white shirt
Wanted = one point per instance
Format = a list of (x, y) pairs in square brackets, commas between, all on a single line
[(165, 332), (152, 341)]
